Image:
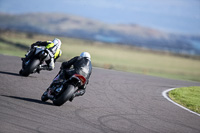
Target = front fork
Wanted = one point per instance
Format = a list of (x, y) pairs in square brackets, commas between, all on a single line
[(29, 53), (56, 86)]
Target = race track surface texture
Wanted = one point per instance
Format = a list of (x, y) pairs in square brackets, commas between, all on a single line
[(114, 102)]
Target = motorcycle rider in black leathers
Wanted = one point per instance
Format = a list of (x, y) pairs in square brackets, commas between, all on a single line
[(81, 65), (54, 52)]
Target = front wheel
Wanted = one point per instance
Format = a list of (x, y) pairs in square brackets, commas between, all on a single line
[(21, 72), (30, 67), (66, 95), (44, 97)]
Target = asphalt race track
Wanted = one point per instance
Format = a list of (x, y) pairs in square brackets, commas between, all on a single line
[(115, 102)]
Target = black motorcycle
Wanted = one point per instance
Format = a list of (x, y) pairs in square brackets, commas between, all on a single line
[(33, 59), (62, 89)]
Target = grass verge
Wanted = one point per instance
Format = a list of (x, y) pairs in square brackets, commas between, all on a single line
[(188, 97), (109, 56)]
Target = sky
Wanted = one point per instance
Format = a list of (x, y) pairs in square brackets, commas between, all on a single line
[(177, 16)]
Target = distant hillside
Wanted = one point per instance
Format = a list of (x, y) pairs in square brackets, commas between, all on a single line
[(79, 27)]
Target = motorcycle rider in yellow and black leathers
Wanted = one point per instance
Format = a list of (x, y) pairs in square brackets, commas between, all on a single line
[(54, 52)]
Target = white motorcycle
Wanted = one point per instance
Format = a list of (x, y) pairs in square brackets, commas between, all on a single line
[(34, 58)]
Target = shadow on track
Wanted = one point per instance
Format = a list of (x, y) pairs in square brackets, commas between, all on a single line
[(10, 73), (28, 99)]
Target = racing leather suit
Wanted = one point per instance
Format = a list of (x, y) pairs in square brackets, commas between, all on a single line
[(54, 52), (82, 66)]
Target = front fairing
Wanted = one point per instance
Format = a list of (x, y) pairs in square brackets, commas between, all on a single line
[(37, 53), (39, 49)]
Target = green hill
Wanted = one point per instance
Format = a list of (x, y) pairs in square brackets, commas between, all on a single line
[(83, 28)]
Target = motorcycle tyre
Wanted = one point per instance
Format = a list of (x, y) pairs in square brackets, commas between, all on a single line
[(30, 67), (66, 95), (44, 97)]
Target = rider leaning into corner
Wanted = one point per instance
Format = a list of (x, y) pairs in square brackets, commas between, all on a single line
[(54, 52), (81, 65)]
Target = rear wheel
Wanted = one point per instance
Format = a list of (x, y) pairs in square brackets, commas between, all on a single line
[(30, 67), (66, 95)]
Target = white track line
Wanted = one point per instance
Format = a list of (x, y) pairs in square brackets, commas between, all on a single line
[(164, 93)]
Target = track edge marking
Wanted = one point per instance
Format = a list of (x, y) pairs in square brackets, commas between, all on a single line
[(164, 93)]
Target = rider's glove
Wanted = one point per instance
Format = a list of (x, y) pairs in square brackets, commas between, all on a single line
[(35, 44), (38, 42)]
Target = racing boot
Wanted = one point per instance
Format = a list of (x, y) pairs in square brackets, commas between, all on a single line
[(42, 67), (77, 93), (39, 69), (45, 67)]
